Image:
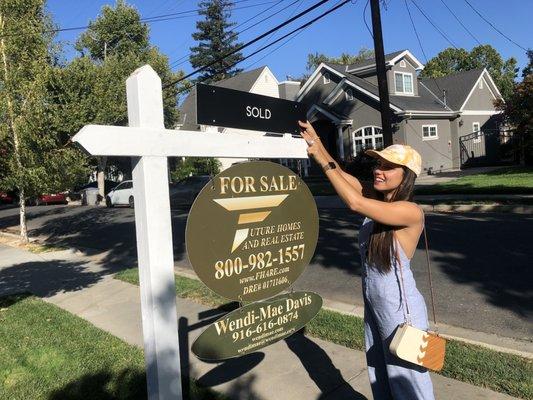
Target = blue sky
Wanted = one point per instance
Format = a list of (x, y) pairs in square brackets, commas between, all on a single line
[(342, 31)]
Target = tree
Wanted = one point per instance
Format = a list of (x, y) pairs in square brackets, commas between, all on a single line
[(518, 111), (37, 157), (114, 45), (189, 166), (215, 40), (314, 60), (453, 60), (118, 30)]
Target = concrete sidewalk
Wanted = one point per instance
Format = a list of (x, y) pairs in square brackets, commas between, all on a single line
[(296, 368), (454, 203)]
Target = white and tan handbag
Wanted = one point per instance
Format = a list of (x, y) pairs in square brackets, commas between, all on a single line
[(424, 348)]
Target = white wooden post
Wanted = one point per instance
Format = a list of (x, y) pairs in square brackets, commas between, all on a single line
[(154, 243), (149, 144)]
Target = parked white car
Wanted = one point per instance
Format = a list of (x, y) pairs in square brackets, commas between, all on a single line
[(122, 194), (182, 193)]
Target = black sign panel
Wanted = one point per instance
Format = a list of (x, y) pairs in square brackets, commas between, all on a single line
[(236, 109)]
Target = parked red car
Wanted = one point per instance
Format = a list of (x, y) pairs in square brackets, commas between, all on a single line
[(55, 198), (6, 198)]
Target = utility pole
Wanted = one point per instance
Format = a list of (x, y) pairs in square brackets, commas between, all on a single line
[(382, 73)]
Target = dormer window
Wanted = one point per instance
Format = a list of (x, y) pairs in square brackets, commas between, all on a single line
[(327, 78), (403, 83), (349, 94)]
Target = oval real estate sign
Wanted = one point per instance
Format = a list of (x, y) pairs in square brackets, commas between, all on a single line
[(256, 325), (252, 231)]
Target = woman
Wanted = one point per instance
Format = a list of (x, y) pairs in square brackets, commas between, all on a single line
[(387, 241)]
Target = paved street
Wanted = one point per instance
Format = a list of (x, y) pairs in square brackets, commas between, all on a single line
[(481, 262)]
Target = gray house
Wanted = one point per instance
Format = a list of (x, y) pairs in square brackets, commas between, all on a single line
[(446, 119)]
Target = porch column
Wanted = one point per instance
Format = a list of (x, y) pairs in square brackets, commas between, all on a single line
[(340, 142)]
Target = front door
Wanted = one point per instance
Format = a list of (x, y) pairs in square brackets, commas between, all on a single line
[(327, 132)]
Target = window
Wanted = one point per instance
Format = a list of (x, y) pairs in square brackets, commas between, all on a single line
[(327, 78), (403, 82), (402, 63), (429, 132), (480, 84), (477, 130), (349, 94), (368, 137)]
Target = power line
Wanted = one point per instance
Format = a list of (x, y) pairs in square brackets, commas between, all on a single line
[(179, 61), (416, 32), (285, 42), (157, 18), (272, 34), (239, 48), (281, 45), (458, 20), (434, 25), (493, 26), (307, 24), (364, 19), (273, 50), (420, 42), (192, 13)]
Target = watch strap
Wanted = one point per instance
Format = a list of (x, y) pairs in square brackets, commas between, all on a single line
[(328, 166)]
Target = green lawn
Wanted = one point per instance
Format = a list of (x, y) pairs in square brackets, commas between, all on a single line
[(501, 372), (512, 180), (48, 353)]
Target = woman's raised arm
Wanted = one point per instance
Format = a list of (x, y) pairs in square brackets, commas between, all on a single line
[(350, 179)]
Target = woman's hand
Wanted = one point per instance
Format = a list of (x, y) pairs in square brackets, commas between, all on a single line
[(316, 148)]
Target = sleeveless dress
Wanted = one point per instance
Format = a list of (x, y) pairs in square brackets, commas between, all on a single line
[(391, 377)]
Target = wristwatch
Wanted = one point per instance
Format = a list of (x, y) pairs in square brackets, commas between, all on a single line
[(329, 165)]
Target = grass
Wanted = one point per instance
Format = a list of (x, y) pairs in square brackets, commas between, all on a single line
[(33, 247), (511, 180), (505, 373), (48, 353), (38, 248)]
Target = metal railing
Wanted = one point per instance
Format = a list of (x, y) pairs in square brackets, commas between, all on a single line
[(488, 147)]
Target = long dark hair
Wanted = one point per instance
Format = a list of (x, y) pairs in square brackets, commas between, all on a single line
[(380, 248)]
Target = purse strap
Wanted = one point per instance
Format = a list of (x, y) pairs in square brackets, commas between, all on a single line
[(408, 315)]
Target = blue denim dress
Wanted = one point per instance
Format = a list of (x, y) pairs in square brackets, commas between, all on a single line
[(391, 377)]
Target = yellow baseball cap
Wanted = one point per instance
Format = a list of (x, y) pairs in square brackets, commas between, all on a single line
[(400, 154)]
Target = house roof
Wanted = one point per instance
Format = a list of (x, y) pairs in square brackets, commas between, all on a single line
[(371, 61), (458, 86), (425, 101), (243, 82)]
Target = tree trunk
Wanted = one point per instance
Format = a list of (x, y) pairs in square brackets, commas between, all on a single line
[(16, 142), (102, 162), (23, 226), (522, 147)]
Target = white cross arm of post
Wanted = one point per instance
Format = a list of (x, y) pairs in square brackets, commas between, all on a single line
[(149, 144)]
